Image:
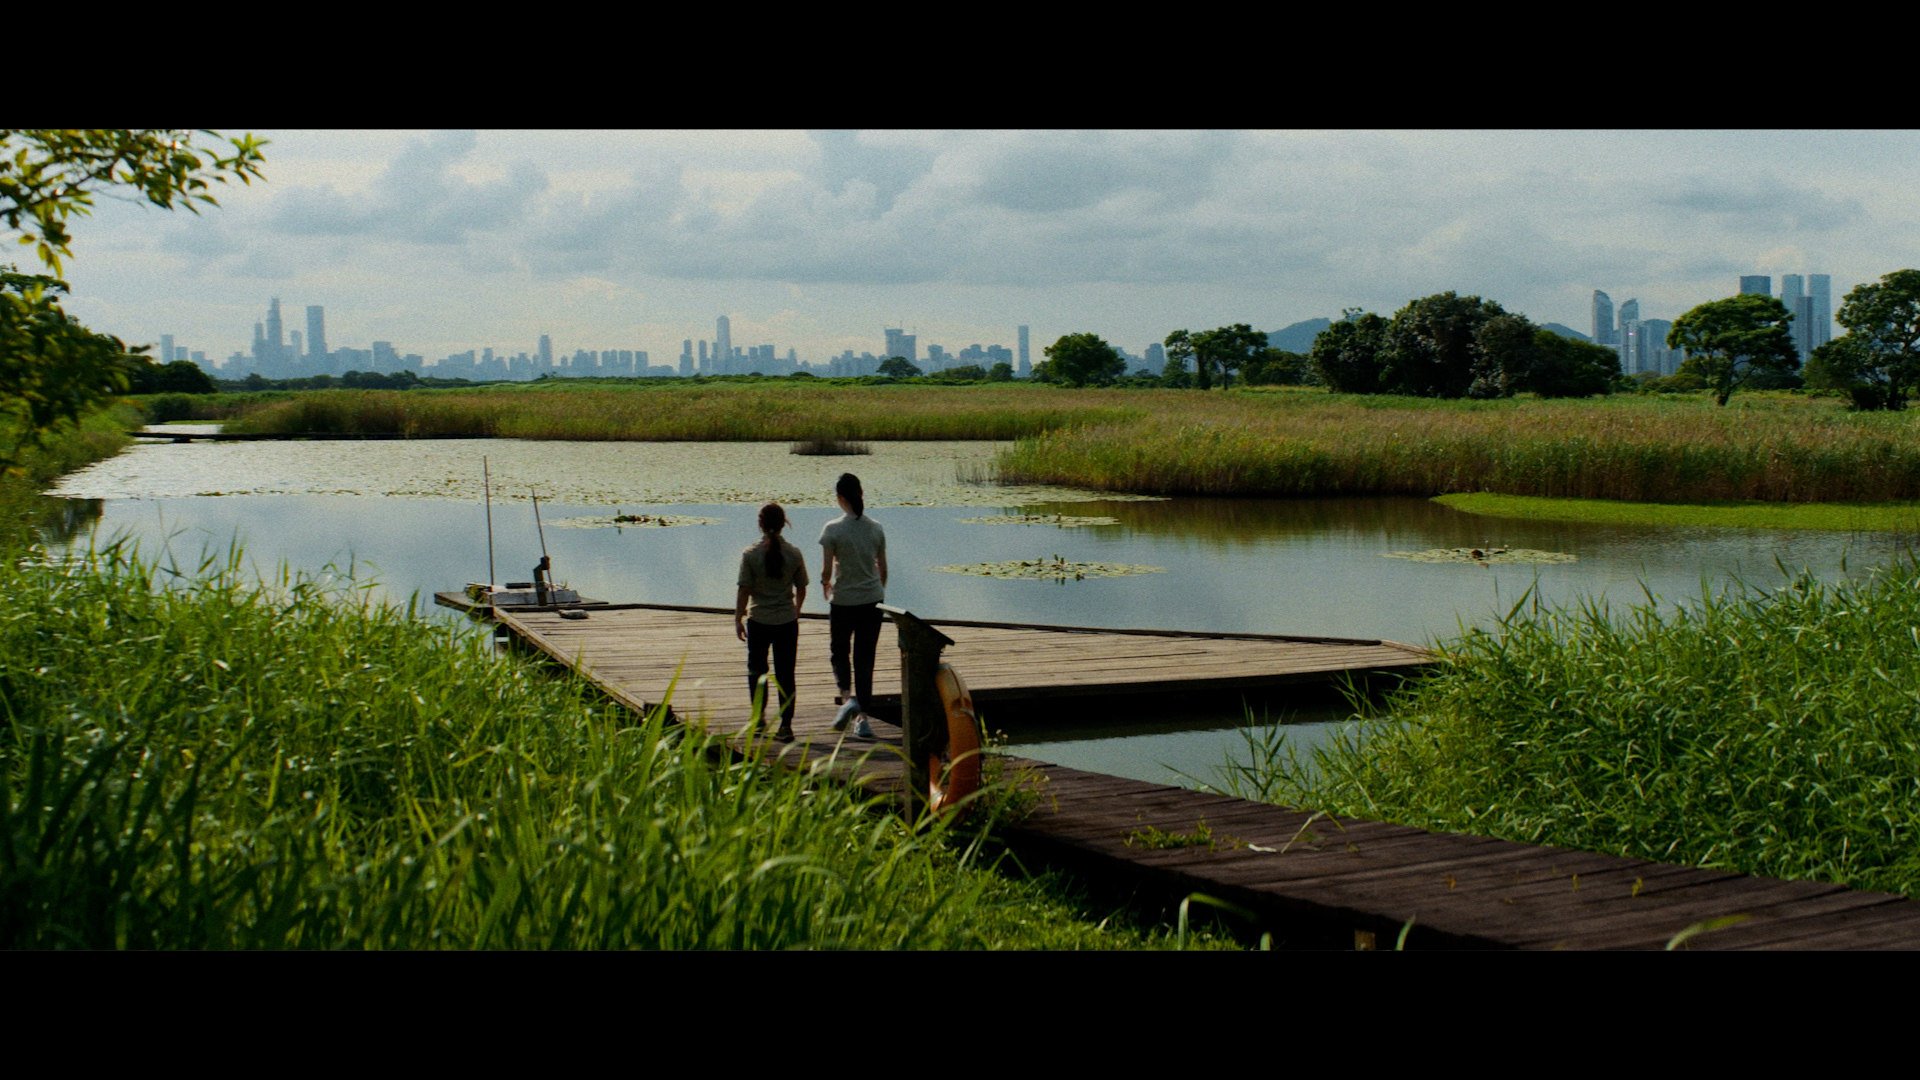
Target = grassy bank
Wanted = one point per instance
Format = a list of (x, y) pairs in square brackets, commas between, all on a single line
[(229, 766), (1838, 517), (1664, 448), (1769, 732)]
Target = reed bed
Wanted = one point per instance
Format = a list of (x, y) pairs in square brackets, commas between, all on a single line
[(1778, 449), (1768, 732), (195, 761), (1664, 449), (739, 412)]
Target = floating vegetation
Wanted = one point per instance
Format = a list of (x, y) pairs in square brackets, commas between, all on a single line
[(1050, 569), (1064, 521), (1484, 556), (633, 521), (829, 447)]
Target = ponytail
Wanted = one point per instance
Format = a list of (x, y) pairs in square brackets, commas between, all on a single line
[(772, 520), (848, 488)]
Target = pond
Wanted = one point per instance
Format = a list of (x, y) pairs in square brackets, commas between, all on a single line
[(409, 515)]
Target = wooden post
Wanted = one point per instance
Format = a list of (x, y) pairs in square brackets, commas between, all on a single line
[(923, 722)]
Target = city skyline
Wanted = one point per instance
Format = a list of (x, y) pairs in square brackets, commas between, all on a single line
[(447, 241)]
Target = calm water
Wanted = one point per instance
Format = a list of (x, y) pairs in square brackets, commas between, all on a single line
[(409, 515)]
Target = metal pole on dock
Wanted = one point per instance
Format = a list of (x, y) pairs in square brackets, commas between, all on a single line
[(923, 719)]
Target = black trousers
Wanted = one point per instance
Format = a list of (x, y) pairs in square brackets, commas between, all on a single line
[(783, 639), (857, 625)]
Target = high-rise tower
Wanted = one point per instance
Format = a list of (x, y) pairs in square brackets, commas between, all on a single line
[(1759, 284), (276, 337), (1602, 318), (316, 332), (723, 344), (1026, 365), (1820, 293)]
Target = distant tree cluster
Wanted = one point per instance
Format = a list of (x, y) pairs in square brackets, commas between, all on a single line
[(1080, 360), (1877, 361), (1221, 352), (1452, 346)]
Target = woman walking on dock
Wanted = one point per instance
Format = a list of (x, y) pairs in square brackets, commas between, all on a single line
[(773, 580), (853, 577)]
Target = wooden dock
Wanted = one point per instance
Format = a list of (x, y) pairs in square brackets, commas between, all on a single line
[(636, 651), (1309, 878)]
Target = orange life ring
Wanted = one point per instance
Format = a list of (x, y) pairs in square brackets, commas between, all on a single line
[(959, 765)]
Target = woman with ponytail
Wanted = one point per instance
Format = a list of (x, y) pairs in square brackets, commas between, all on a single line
[(773, 578), (853, 578)]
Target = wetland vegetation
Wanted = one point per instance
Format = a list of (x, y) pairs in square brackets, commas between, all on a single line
[(1768, 731), (1275, 442)]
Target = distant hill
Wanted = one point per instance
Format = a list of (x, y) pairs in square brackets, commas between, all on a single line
[(1297, 338), (1565, 331)]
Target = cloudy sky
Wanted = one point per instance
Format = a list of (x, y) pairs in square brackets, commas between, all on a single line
[(445, 241)]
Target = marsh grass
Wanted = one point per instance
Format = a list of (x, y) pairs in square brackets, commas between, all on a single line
[(1665, 448), (1762, 448), (672, 410), (1769, 731), (192, 760)]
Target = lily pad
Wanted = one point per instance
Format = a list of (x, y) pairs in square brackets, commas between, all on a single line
[(1484, 556), (1053, 569), (1064, 521)]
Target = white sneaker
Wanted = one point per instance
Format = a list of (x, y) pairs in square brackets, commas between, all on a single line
[(863, 729), (847, 712)]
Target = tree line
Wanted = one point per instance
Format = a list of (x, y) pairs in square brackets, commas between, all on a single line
[(1451, 346)]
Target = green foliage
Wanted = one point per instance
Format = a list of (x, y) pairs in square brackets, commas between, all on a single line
[(1563, 367), (1768, 732), (1179, 346), (1733, 341), (1001, 371), (1451, 346), (1083, 360), (48, 176), (178, 377), (201, 762), (898, 367), (52, 369), (1878, 360), (1350, 354), (1435, 348), (1226, 350)]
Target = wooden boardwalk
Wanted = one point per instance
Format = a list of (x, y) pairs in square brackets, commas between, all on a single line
[(637, 651), (1310, 878)]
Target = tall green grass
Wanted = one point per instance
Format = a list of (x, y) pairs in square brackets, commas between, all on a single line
[(1663, 449), (673, 411), (1773, 732), (195, 761), (1775, 449)]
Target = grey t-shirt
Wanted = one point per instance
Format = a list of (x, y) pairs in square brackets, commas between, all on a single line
[(770, 596), (856, 544)]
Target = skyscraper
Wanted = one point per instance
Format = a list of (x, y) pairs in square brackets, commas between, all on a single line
[(1026, 366), (1760, 284), (902, 344), (546, 352), (723, 345), (1820, 292), (316, 332), (1602, 318), (276, 337)]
